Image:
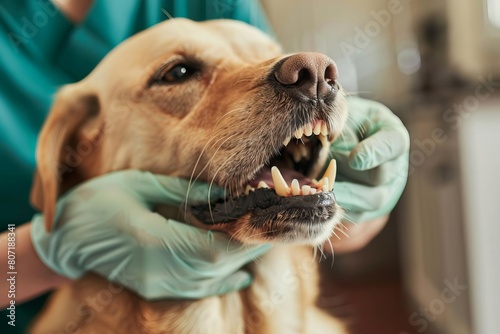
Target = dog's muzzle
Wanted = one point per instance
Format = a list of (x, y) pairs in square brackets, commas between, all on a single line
[(287, 182)]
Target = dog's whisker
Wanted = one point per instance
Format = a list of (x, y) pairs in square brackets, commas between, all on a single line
[(343, 232), (191, 180), (210, 141), (346, 218), (336, 235), (215, 175), (357, 92), (212, 137), (332, 251), (341, 225), (321, 254), (233, 236), (167, 13)]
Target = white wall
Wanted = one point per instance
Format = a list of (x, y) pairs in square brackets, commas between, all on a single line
[(366, 49), (480, 155)]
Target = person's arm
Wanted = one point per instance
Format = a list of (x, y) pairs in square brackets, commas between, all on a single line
[(33, 277), (74, 10)]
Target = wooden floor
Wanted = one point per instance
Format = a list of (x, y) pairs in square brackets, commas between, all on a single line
[(378, 307), (365, 288)]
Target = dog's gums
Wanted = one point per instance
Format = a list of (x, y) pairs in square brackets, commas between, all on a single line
[(264, 200)]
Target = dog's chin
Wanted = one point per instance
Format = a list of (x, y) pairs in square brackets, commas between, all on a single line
[(264, 217)]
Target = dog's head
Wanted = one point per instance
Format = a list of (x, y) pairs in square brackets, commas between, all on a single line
[(215, 101)]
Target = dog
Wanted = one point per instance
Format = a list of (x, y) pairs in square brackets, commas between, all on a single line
[(216, 101)]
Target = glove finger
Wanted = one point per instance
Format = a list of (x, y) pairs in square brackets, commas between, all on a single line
[(384, 145), (214, 286), (205, 250), (380, 175), (356, 197), (195, 192), (161, 189), (373, 201), (235, 282)]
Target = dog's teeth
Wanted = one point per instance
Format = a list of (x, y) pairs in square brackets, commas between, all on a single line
[(323, 182), (331, 173), (325, 187), (308, 129), (306, 190), (248, 189), (317, 128), (295, 187), (287, 141), (324, 129), (262, 184), (298, 133), (313, 191), (324, 140), (280, 186)]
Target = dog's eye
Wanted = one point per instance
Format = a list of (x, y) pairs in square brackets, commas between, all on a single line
[(176, 74)]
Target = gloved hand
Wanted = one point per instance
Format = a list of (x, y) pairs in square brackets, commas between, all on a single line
[(372, 160), (109, 229)]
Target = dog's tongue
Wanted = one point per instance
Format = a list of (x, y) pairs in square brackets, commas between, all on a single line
[(287, 173)]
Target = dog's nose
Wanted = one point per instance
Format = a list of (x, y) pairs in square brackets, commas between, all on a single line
[(312, 74)]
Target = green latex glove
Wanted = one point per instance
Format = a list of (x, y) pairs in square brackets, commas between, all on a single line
[(372, 160), (109, 229)]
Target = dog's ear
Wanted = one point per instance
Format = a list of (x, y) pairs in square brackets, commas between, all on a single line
[(65, 142)]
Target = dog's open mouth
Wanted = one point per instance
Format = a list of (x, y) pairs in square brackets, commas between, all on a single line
[(286, 182)]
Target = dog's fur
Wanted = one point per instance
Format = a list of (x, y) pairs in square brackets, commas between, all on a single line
[(219, 126)]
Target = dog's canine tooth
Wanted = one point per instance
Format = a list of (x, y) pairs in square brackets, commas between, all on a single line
[(287, 141), (331, 173), (306, 190), (280, 186), (317, 128), (262, 184), (325, 186), (322, 183), (295, 187), (248, 189), (298, 133), (324, 140), (324, 129), (308, 129)]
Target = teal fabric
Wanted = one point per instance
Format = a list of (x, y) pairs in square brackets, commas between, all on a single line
[(40, 51)]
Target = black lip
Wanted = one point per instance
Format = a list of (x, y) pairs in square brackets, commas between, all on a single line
[(265, 201)]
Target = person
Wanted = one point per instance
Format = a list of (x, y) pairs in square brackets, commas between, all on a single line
[(46, 44)]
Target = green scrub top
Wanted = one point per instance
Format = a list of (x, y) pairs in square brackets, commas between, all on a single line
[(40, 51)]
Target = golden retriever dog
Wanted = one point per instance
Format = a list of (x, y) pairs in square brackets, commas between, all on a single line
[(216, 101)]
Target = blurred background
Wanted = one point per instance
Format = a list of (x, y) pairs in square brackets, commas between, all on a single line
[(436, 266)]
